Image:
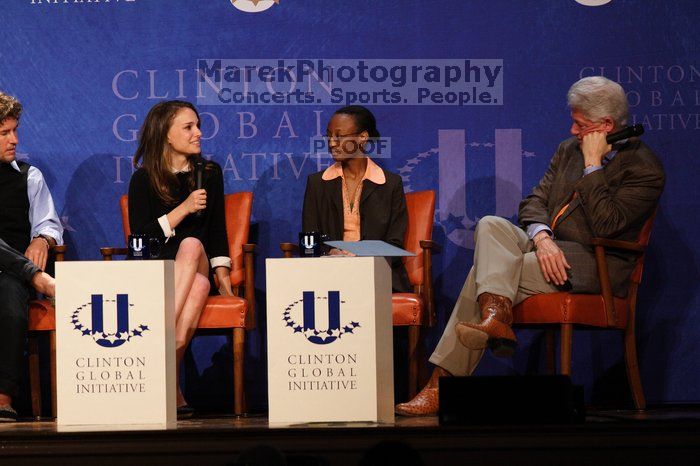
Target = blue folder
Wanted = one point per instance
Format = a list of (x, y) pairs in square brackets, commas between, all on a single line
[(370, 248)]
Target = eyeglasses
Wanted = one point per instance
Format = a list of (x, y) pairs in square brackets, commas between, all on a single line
[(338, 137)]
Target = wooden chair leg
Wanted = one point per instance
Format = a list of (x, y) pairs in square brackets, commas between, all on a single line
[(52, 351), (567, 331), (632, 366), (413, 337), (550, 359), (238, 359), (34, 375)]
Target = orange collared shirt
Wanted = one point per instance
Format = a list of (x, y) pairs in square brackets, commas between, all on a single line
[(351, 217)]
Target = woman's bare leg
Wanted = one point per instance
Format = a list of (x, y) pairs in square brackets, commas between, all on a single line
[(188, 261), (192, 288)]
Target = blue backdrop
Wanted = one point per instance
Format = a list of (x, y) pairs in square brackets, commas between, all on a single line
[(88, 71)]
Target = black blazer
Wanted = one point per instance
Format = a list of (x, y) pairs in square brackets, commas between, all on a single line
[(383, 215)]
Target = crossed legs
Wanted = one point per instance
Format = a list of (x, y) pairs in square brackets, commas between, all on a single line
[(191, 291), (505, 268)]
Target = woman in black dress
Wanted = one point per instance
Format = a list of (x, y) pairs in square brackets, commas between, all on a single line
[(189, 222)]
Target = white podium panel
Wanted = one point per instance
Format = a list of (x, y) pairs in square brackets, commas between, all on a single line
[(329, 340), (115, 343)]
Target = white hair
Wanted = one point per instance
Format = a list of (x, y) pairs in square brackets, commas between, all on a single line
[(597, 97)]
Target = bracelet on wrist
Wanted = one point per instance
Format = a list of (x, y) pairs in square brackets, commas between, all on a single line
[(48, 245)]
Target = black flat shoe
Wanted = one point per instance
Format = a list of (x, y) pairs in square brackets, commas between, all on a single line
[(7, 414), (185, 412)]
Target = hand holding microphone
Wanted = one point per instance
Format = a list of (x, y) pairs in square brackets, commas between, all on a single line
[(624, 133), (196, 202), (596, 144)]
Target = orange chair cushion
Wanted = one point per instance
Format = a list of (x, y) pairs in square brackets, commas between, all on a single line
[(407, 309), (567, 308), (42, 315), (223, 312)]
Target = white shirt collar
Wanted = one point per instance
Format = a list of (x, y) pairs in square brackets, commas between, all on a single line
[(184, 170), (14, 165)]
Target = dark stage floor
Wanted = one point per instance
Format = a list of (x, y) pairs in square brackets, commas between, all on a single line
[(667, 435)]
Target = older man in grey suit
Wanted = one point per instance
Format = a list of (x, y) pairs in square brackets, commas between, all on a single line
[(591, 189)]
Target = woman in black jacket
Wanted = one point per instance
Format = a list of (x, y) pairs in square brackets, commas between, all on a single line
[(355, 199)]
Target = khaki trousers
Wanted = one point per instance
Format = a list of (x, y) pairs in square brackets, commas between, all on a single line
[(504, 264)]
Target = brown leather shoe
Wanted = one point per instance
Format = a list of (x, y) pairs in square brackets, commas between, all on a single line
[(426, 402), (494, 331)]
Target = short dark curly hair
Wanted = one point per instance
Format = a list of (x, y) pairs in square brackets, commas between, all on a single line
[(9, 107)]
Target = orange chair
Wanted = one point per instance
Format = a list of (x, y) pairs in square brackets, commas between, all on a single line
[(224, 313), (42, 320), (416, 309), (602, 311)]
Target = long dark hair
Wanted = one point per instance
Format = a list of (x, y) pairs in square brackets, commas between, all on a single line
[(152, 153), (364, 120)]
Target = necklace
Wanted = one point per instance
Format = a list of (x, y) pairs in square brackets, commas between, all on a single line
[(351, 199)]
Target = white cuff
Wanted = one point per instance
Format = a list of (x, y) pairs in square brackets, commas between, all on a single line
[(165, 226), (52, 233), (534, 228), (220, 261), (590, 169)]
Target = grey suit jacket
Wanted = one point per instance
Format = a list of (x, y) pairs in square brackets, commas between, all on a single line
[(612, 203)]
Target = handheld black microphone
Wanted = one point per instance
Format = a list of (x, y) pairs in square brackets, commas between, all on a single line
[(624, 133), (198, 177)]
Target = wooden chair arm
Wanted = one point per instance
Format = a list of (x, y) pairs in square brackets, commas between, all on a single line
[(600, 245), (605, 287), (431, 245), (616, 244), (427, 291), (59, 252), (107, 253), (289, 249), (249, 289)]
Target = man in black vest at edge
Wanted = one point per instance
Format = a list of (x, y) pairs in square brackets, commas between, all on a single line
[(29, 223)]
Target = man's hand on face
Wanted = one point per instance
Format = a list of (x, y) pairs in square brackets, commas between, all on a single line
[(551, 259), (38, 252), (594, 147)]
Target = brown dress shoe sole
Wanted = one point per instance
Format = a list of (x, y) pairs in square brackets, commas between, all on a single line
[(476, 339), (471, 337), (403, 412)]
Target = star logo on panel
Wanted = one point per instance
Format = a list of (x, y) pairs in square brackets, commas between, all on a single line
[(103, 330), (254, 6), (454, 190), (300, 316)]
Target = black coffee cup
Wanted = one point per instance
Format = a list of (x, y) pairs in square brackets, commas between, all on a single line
[(310, 244), (143, 247)]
